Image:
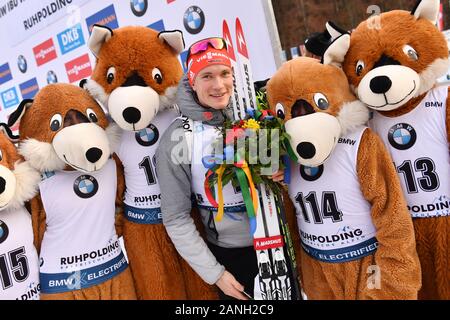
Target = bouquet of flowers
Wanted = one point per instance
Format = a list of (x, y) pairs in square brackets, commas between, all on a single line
[(248, 153)]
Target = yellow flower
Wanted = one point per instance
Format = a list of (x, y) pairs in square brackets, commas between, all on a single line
[(251, 124)]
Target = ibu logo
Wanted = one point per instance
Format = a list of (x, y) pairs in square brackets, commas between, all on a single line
[(85, 186), (148, 136), (10, 98), (402, 136), (70, 39), (311, 173)]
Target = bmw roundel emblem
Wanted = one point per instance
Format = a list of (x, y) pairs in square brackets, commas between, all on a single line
[(402, 136), (22, 63), (194, 20), (148, 136), (51, 77), (139, 7), (85, 186), (311, 173), (4, 231)]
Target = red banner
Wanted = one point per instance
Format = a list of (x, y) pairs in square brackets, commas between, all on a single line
[(268, 243)]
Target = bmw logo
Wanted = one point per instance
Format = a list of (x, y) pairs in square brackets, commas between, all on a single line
[(51, 77), (139, 7), (402, 136), (311, 173), (194, 20), (148, 136), (4, 231), (85, 186), (22, 64)]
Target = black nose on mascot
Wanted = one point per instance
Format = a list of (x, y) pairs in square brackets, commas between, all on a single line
[(93, 155), (380, 84), (306, 150), (131, 115), (2, 185)]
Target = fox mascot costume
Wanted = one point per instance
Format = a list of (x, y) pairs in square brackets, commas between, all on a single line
[(65, 135), (393, 65), (355, 230), (136, 78), (19, 260)]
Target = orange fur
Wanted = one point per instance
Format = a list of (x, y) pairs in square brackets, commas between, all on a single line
[(158, 270), (35, 124), (395, 257), (9, 153), (399, 28), (286, 91), (137, 49), (56, 98)]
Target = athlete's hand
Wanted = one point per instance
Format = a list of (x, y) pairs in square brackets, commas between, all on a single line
[(277, 176), (230, 286)]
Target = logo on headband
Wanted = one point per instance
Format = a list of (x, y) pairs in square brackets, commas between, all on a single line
[(194, 19)]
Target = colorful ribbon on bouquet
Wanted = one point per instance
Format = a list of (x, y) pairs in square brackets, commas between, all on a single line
[(248, 189)]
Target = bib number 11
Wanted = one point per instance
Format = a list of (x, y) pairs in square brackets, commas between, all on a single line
[(148, 167)]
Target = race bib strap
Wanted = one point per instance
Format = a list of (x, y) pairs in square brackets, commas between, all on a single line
[(143, 216), (81, 279), (355, 252)]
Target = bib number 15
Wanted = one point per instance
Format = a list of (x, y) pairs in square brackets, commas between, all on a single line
[(13, 265)]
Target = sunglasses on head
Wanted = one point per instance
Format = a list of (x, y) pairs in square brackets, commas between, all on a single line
[(202, 45)]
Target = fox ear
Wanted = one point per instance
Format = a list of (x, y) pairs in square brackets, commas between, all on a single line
[(100, 35), (427, 9), (15, 117), (8, 133), (336, 52), (334, 30), (174, 39)]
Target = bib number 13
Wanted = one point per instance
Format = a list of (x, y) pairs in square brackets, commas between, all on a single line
[(429, 181)]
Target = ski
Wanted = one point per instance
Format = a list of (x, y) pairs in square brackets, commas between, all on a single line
[(245, 68), (238, 94), (277, 275), (289, 247)]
